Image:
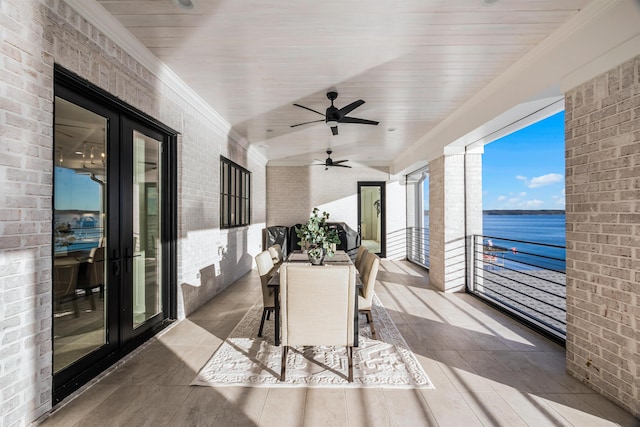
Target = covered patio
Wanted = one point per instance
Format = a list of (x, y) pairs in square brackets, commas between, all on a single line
[(487, 369), (209, 90)]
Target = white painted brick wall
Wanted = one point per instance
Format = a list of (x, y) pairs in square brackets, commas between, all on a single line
[(451, 217), (35, 34), (602, 125)]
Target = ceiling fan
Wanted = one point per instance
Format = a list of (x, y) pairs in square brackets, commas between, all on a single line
[(333, 116), (329, 162)]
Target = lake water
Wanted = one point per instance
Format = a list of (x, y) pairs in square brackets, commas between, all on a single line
[(507, 230), (547, 229)]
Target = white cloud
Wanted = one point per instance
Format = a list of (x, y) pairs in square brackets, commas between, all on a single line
[(501, 198), (521, 178), (534, 203), (559, 199), (522, 194), (540, 181)]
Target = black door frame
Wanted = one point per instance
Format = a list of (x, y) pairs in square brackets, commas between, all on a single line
[(70, 86), (383, 213)]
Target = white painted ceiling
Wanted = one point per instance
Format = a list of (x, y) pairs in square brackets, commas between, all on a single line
[(413, 62)]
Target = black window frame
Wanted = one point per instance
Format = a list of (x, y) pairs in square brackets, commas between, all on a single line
[(235, 194)]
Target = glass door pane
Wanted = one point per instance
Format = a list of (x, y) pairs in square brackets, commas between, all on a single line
[(147, 280), (370, 219), (371, 216), (79, 228)]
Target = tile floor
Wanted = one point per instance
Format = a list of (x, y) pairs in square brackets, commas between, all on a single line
[(487, 369)]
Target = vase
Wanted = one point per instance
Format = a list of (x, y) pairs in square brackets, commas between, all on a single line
[(316, 256)]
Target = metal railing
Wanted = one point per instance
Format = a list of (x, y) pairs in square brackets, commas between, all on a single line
[(527, 279), (418, 245)]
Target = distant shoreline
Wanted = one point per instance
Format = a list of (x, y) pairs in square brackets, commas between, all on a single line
[(519, 212), (523, 212)]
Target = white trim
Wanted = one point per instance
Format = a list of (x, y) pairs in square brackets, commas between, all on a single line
[(602, 64), (255, 154), (519, 120), (99, 17)]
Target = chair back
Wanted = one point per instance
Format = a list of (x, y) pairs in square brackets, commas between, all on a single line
[(276, 254), (264, 262), (371, 264), (362, 250), (65, 278), (317, 304), (93, 274)]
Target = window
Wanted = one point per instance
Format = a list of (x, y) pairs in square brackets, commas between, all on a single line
[(235, 194)]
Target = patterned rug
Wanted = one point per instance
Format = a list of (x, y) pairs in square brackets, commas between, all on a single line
[(243, 359)]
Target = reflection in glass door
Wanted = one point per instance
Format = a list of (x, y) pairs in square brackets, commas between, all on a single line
[(371, 216), (79, 224), (147, 281)]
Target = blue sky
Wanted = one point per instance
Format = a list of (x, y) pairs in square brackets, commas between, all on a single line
[(525, 170), (75, 191)]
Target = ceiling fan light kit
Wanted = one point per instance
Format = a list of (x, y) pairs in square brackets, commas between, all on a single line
[(333, 115)]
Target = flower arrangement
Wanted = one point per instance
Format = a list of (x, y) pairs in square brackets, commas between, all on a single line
[(318, 236)]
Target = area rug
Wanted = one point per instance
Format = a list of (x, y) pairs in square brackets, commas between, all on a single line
[(243, 359)]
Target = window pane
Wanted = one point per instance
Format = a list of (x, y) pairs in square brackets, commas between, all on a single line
[(147, 261), (235, 196)]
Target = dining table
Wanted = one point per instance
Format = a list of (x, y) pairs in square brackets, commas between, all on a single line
[(339, 258)]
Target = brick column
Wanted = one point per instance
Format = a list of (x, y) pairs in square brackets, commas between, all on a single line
[(602, 125), (450, 218)]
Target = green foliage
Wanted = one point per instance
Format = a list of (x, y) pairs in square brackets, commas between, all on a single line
[(317, 234)]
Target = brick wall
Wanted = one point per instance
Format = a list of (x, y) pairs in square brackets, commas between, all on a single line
[(290, 197), (447, 218), (35, 35), (602, 122)]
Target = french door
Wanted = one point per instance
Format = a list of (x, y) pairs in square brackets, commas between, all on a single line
[(372, 216), (113, 257)]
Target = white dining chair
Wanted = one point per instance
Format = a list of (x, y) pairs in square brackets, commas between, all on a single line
[(264, 262), (362, 251), (369, 274), (317, 307), (276, 254)]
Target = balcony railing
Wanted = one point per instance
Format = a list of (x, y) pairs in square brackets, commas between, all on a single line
[(525, 278), (418, 245)]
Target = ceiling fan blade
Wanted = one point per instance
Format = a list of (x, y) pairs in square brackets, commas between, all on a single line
[(334, 130), (310, 109), (306, 123), (336, 162), (349, 108), (358, 121), (341, 166)]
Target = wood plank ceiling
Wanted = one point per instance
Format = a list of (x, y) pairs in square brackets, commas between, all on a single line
[(414, 62)]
